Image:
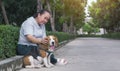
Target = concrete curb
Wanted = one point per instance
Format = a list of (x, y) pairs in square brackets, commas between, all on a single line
[(15, 63), (11, 64)]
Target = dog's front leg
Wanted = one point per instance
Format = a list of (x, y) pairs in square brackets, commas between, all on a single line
[(40, 60), (49, 59), (46, 62)]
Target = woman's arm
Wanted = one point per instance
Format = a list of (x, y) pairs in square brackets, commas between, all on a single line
[(35, 40)]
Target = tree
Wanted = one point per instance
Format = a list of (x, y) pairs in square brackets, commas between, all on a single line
[(4, 12), (19, 10), (87, 28), (74, 13), (52, 18), (39, 5), (106, 13)]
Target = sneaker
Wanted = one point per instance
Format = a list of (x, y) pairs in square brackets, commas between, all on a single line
[(61, 61)]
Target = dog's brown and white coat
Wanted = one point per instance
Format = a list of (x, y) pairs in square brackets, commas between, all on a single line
[(44, 58)]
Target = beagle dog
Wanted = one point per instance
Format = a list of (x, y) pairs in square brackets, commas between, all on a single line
[(43, 53)]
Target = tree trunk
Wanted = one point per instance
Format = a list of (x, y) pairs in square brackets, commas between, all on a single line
[(71, 27), (4, 12), (39, 5), (52, 21), (65, 27), (75, 31)]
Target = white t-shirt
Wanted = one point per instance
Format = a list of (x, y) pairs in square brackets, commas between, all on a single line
[(30, 26)]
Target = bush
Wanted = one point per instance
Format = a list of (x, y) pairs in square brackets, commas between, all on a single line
[(112, 35), (8, 40), (62, 36), (89, 35)]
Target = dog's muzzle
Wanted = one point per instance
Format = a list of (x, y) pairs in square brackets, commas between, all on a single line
[(51, 48)]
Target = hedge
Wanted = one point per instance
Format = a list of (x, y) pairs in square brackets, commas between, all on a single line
[(9, 38), (115, 35), (62, 36)]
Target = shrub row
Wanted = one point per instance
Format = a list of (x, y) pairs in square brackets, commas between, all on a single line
[(89, 35), (62, 36), (9, 38), (112, 35), (109, 35)]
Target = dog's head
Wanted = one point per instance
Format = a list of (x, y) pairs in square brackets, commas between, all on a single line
[(53, 42)]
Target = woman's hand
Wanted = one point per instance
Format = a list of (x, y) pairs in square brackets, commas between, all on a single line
[(44, 40)]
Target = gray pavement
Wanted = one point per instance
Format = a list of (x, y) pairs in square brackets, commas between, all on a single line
[(88, 54)]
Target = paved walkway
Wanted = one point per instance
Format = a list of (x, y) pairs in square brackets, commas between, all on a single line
[(88, 54)]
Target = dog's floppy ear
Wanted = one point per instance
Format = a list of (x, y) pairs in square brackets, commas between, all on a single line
[(46, 38), (56, 41)]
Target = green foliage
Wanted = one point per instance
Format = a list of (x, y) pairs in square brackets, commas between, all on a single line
[(62, 19), (87, 28), (8, 40), (18, 10), (90, 28), (106, 13), (112, 35), (89, 35), (74, 9)]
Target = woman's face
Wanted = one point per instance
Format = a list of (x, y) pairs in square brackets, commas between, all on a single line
[(43, 18)]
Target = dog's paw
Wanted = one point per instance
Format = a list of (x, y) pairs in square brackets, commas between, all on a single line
[(38, 66), (51, 64), (30, 66), (48, 66)]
